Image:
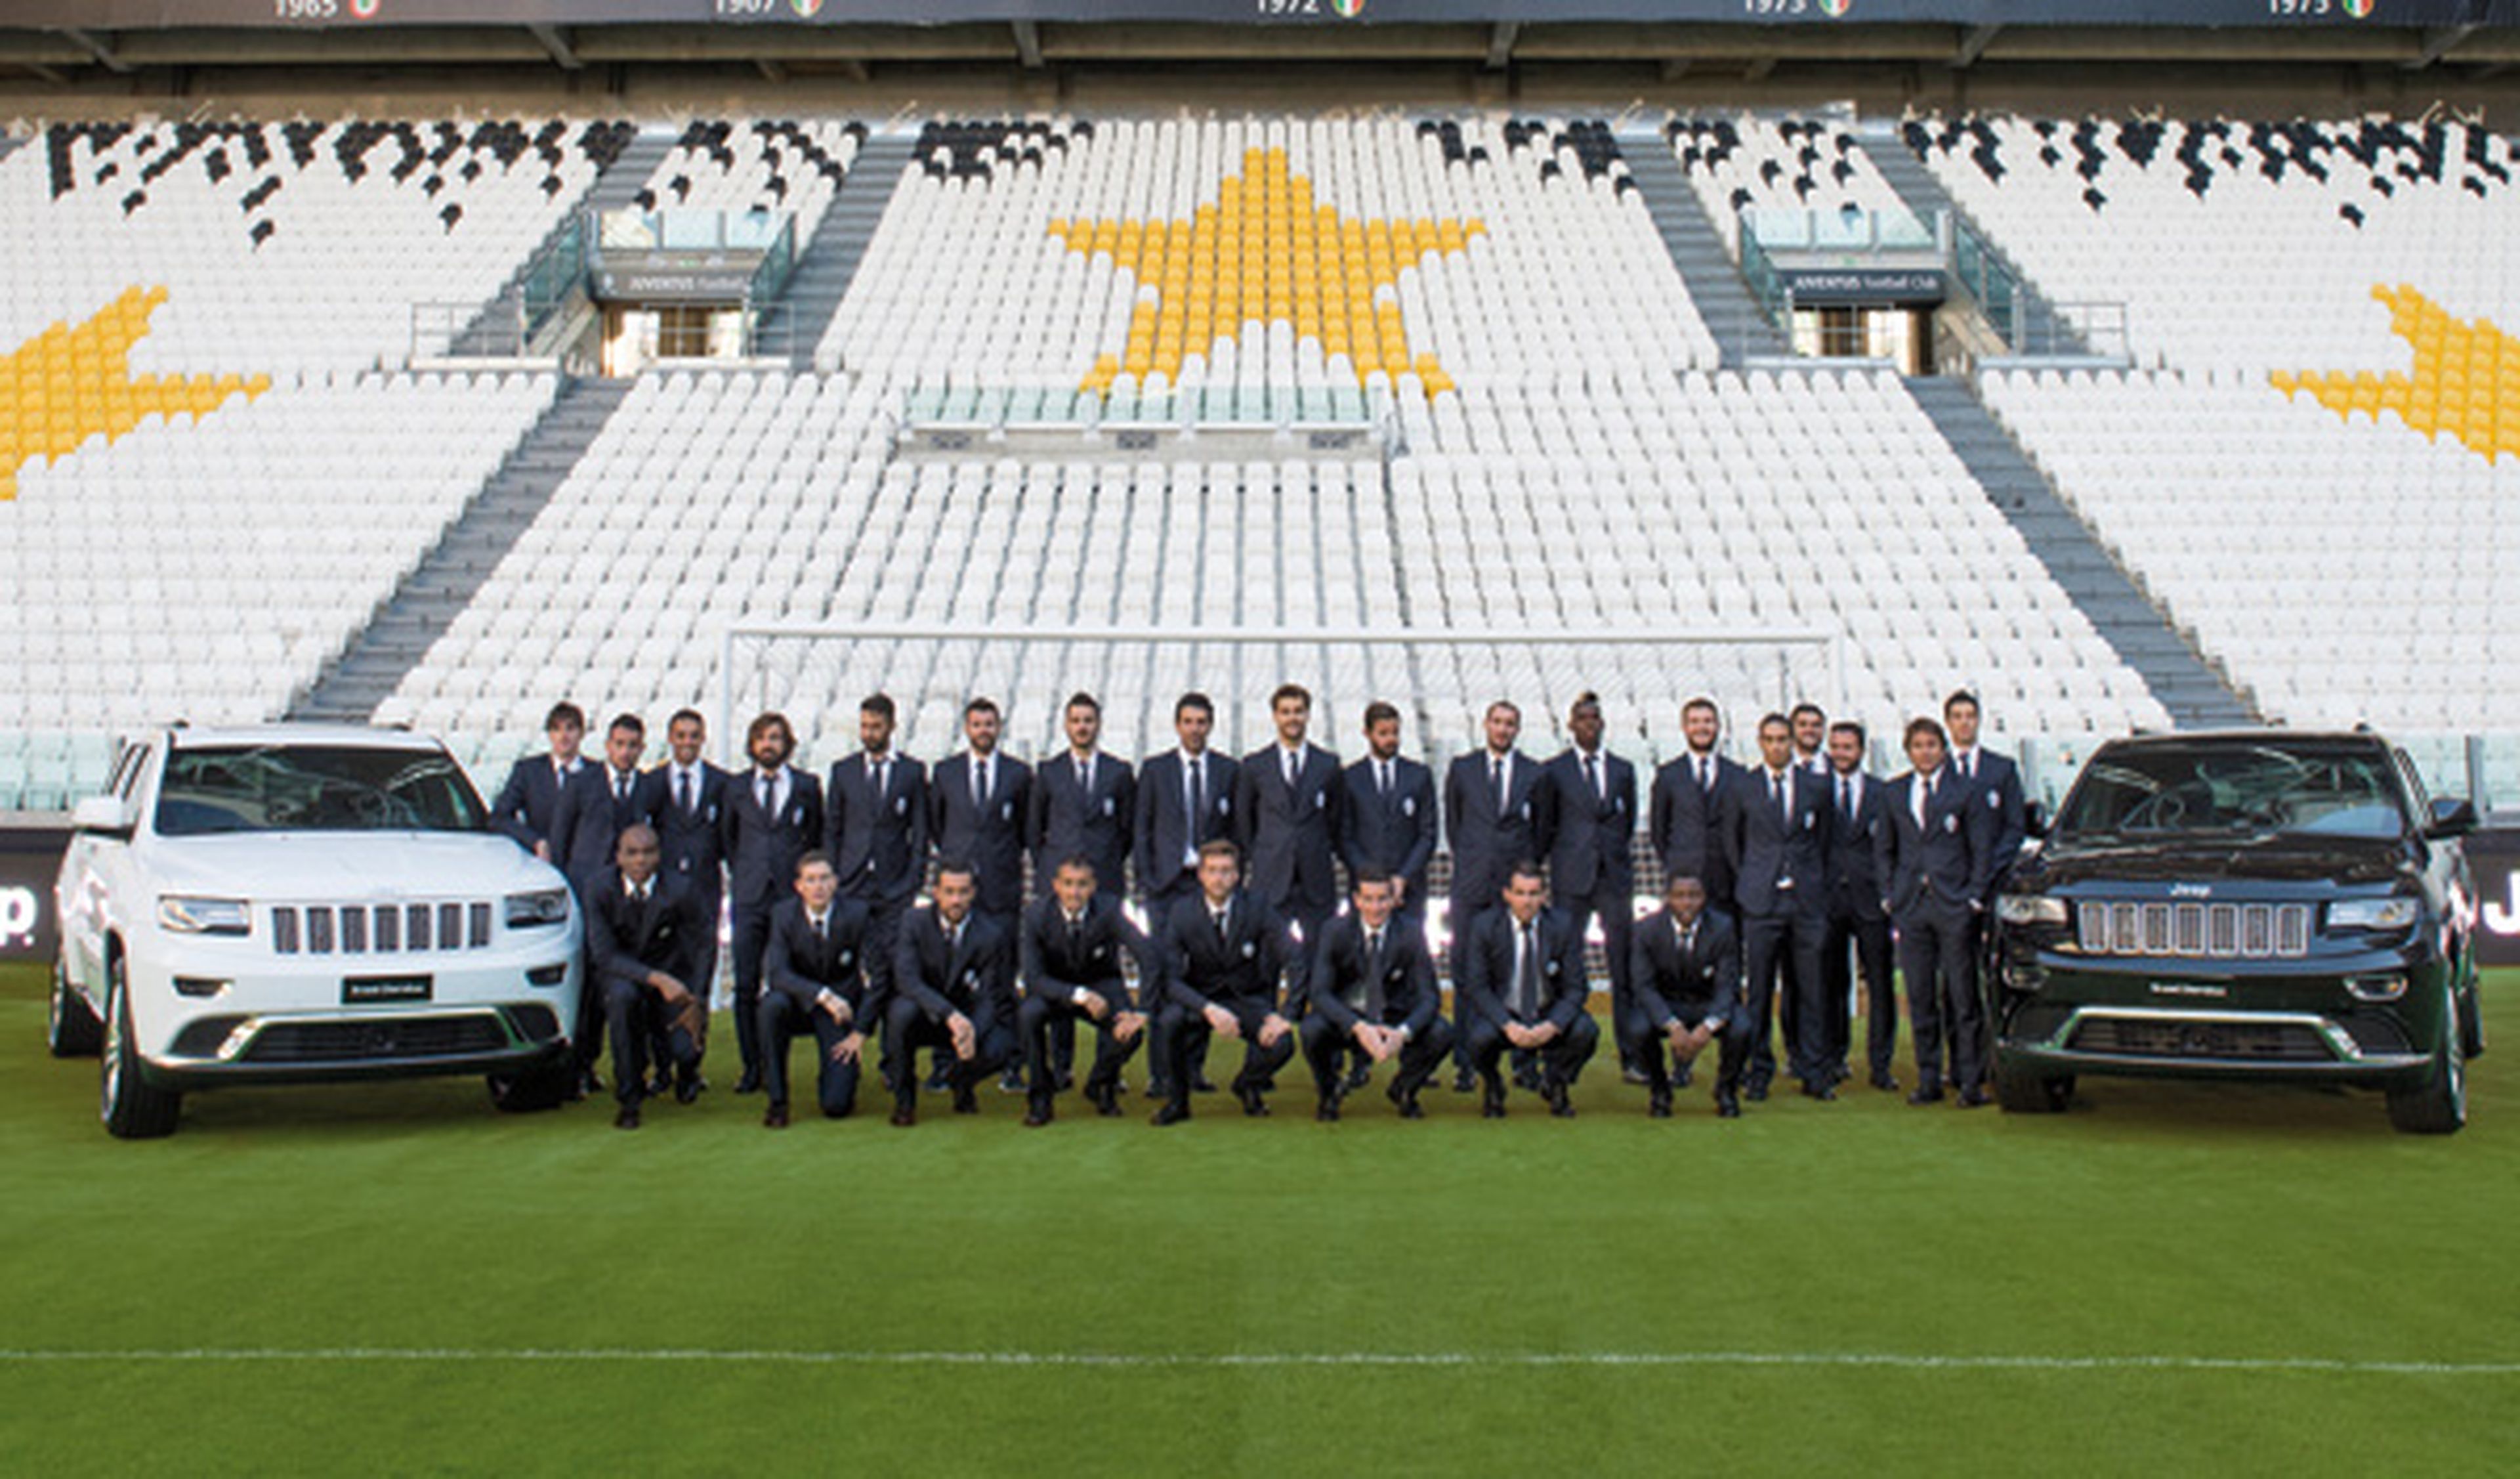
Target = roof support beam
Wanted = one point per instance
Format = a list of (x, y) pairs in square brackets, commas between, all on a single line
[(2438, 42), (557, 45), (1973, 46), (1029, 44), (1501, 44), (96, 47)]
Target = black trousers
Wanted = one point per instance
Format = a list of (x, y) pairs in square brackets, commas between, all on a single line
[(1467, 906), (1938, 955), (1559, 1062), (1615, 906), (1780, 979), (1159, 1057), (1186, 1033), (1038, 1024), (1326, 1048), (1655, 1055), (748, 940), (627, 1008), (907, 1029), (703, 981), (1852, 948), (783, 1020)]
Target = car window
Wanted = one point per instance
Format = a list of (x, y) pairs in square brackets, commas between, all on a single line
[(2342, 789), (267, 788)]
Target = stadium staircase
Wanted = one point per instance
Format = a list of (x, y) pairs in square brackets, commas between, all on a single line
[(2196, 693), (825, 265), (418, 613), (2043, 331), (487, 334), (1715, 282)]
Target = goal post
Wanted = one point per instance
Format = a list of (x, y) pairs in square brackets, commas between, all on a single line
[(1441, 679)]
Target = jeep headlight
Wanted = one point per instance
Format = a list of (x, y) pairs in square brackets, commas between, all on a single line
[(540, 907), (193, 914), (2029, 908), (2395, 912)]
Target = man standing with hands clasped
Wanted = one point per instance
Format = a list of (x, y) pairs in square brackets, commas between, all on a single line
[(1933, 857)]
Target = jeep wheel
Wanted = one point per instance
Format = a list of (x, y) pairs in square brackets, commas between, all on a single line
[(2436, 1105), (71, 1030), (133, 1108), (545, 1086), (2021, 1091)]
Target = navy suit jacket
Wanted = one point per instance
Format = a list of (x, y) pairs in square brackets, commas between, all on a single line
[(588, 822), (1483, 970), (1944, 862), (528, 796), (1683, 824), (1290, 834), (975, 978), (1053, 967), (1999, 787), (804, 964), (1778, 865), (695, 843), (761, 850), (625, 939), (989, 836), (1688, 987), (1239, 972), (1162, 827), (1487, 843), (1066, 821), (1855, 888), (1589, 839), (1394, 833), (1335, 985), (879, 844)]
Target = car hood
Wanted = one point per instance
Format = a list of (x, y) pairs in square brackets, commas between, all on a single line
[(336, 865), (2272, 858)]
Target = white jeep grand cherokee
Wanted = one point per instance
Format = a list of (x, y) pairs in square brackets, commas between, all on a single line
[(296, 903)]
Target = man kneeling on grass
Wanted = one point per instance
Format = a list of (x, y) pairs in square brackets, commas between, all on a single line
[(1073, 941), (644, 929), (1223, 951), (1686, 969), (814, 979), (1371, 986), (953, 981)]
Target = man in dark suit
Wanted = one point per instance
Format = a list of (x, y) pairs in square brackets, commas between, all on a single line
[(1286, 801), (1491, 816), (1084, 804), (1370, 990), (690, 825), (1522, 973), (774, 814), (1387, 821), (874, 826), (642, 925), (1810, 738), (1224, 953), (1689, 794), (978, 804), (1071, 950), (1588, 828), (525, 801), (1996, 781), (1773, 833), (596, 806), (1688, 975), (1932, 859), (1857, 942), (814, 980), (952, 991), (1185, 802)]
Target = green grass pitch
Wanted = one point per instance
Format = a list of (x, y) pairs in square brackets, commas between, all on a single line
[(2043, 1296)]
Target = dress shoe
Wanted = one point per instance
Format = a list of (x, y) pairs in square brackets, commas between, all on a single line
[(1158, 1089), (1560, 1106), (1036, 1116), (1492, 1103), (628, 1119), (1463, 1081), (1632, 1074), (964, 1101), (688, 1091), (750, 1083), (1820, 1090), (1326, 1111), (1927, 1093), (1680, 1076), (1104, 1098), (660, 1086), (1975, 1098), (1756, 1093), (904, 1114), (1728, 1105), (774, 1116), (1659, 1106), (1066, 1081), (1010, 1083), (1406, 1104), (1884, 1082), (1253, 1105), (941, 1079), (1359, 1076), (1527, 1078), (1170, 1114), (1199, 1084)]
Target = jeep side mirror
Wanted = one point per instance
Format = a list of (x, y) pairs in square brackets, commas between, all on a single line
[(2451, 817), (102, 813)]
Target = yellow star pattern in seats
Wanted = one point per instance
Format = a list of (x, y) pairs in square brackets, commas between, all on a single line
[(1265, 253), (65, 385), (2465, 381)]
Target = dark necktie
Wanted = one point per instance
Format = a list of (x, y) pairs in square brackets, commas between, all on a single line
[(880, 771), (1382, 779), (1592, 776), (1496, 780), (1705, 776), (1295, 776), (1197, 795), (1075, 936), (621, 789), (980, 785), (683, 792), (1526, 971), (1375, 1003), (1846, 797), (1220, 923), (1085, 776)]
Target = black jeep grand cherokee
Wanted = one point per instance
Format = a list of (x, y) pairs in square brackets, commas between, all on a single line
[(2244, 905)]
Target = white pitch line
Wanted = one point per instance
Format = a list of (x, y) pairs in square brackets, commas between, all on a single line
[(1124, 1360)]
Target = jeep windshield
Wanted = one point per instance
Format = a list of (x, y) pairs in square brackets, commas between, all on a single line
[(314, 788), (2337, 789)]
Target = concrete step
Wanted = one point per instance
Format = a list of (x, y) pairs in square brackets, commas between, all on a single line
[(2140, 634), (2040, 329), (410, 620), (493, 330), (1714, 279), (827, 263)]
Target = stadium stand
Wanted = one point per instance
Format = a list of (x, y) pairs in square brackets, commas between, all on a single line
[(1778, 165)]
